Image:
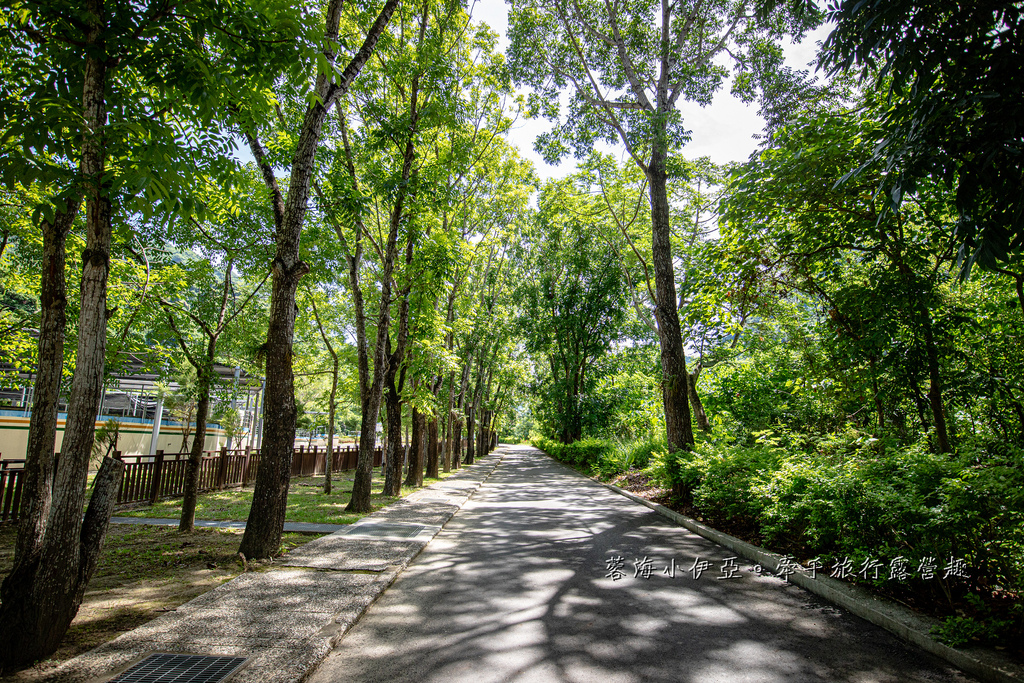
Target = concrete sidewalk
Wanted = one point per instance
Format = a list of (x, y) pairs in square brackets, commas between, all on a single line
[(545, 575), (286, 620)]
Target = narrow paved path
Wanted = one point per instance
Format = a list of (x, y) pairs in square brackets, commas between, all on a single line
[(515, 588)]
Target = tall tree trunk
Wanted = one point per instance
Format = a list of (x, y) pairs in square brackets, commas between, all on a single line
[(483, 440), (457, 451), (360, 501), (265, 524), (919, 402), (696, 405), (331, 410), (42, 593), (674, 381), (395, 453), (262, 536), (463, 387), (42, 431), (416, 450), (432, 445), (444, 456), (393, 477), (879, 408), (469, 435), (449, 417), (935, 388), (187, 523)]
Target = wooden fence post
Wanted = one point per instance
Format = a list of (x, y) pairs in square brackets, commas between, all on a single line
[(222, 468), (158, 466)]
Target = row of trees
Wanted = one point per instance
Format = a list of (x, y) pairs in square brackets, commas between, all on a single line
[(850, 299), (383, 205), (394, 219), (859, 306), (856, 379), (872, 172)]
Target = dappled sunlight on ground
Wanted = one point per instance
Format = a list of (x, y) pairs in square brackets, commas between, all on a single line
[(515, 589)]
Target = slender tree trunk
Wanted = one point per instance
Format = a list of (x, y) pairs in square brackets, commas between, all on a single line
[(919, 403), (360, 501), (470, 424), (935, 388), (457, 451), (464, 385), (395, 454), (483, 441), (448, 423), (432, 445), (262, 536), (675, 380), (696, 405), (331, 410), (393, 478), (45, 588), (263, 529), (879, 409), (424, 448), (38, 475), (416, 450), (370, 382), (187, 523), (444, 457)]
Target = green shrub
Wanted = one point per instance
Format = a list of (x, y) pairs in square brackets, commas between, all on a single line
[(628, 455), (851, 495), (961, 631), (637, 454), (586, 454)]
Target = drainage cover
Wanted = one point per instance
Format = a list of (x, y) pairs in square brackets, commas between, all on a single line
[(403, 530), (168, 668)]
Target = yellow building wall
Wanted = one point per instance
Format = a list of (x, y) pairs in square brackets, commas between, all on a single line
[(134, 436)]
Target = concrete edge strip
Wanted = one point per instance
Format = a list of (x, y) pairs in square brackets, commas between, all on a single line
[(988, 666), (334, 639)]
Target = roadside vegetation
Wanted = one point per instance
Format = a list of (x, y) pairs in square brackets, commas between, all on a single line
[(820, 348)]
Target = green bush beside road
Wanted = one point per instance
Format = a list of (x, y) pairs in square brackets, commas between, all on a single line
[(897, 513)]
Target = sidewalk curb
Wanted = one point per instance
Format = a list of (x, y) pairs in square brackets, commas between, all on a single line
[(988, 666), (282, 656)]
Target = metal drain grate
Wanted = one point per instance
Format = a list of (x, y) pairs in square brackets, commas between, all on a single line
[(168, 668), (402, 530)]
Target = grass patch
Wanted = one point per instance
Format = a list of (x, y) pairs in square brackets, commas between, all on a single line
[(306, 502), (174, 568)]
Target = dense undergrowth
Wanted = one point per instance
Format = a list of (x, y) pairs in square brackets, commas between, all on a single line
[(943, 533)]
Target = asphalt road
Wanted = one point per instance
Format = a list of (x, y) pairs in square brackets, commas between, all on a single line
[(516, 587)]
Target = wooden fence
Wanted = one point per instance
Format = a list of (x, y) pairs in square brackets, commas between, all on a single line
[(11, 475), (148, 478)]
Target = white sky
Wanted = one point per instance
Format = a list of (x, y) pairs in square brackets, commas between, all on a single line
[(723, 131)]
